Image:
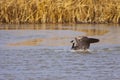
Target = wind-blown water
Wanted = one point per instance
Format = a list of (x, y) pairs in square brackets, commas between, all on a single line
[(45, 54)]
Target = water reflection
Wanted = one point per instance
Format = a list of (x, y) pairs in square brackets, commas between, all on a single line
[(57, 41), (57, 35), (89, 29), (92, 32), (32, 42), (54, 41)]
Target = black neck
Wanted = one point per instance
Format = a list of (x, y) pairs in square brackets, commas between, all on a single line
[(73, 45)]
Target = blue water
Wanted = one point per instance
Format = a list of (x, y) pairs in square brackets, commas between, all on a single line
[(52, 59)]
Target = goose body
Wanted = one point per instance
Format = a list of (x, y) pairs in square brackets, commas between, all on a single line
[(82, 43), (75, 48)]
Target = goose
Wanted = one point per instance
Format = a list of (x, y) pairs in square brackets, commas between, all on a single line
[(82, 43)]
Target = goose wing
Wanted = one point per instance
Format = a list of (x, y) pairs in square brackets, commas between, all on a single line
[(93, 40)]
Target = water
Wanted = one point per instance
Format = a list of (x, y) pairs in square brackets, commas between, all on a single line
[(42, 52)]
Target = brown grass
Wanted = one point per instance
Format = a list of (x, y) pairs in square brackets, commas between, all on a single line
[(59, 11)]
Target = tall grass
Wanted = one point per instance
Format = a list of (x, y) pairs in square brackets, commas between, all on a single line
[(59, 11)]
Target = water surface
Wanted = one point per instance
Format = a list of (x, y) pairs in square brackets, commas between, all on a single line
[(42, 52)]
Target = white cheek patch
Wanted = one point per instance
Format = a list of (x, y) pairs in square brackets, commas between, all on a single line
[(79, 38), (74, 41)]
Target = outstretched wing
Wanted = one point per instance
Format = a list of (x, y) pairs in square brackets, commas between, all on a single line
[(93, 40)]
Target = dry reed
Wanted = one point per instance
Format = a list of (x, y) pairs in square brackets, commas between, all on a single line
[(59, 11)]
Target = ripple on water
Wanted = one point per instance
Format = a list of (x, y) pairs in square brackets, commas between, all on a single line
[(29, 57), (58, 64)]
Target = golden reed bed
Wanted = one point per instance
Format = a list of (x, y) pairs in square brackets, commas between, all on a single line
[(59, 11)]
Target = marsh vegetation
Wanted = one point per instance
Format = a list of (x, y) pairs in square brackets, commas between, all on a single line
[(59, 11)]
